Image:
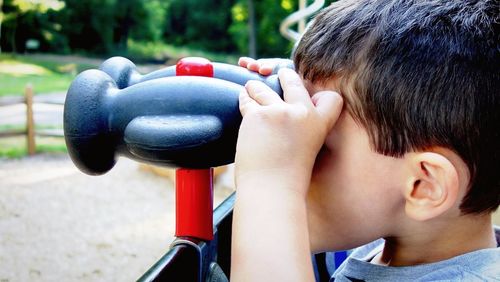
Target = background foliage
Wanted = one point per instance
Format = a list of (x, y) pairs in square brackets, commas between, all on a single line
[(103, 27)]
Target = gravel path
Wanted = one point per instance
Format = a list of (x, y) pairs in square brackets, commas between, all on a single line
[(58, 224)]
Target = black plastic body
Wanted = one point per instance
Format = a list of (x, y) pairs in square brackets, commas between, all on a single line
[(176, 121)]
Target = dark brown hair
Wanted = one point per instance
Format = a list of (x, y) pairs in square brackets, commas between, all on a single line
[(416, 75)]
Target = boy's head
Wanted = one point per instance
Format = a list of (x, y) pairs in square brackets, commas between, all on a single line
[(418, 76)]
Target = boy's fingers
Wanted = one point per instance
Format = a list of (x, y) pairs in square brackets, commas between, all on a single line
[(249, 63), (246, 103), (261, 93), (294, 90), (266, 69), (329, 105), (243, 61), (253, 66)]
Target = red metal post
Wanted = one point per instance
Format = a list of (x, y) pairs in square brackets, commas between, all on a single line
[(194, 187), (194, 203)]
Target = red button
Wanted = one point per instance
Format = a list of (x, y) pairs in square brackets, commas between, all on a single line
[(194, 66)]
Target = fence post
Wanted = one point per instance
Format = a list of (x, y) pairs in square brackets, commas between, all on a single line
[(30, 123)]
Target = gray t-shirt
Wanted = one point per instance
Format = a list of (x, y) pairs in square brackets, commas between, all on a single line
[(481, 265)]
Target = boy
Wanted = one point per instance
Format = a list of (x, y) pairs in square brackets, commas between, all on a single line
[(409, 151)]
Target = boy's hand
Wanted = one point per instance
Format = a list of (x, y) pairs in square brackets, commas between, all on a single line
[(277, 145), (262, 66), (280, 139)]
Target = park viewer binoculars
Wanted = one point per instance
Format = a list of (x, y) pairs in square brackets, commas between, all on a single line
[(185, 115)]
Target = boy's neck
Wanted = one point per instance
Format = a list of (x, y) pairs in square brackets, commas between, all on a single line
[(444, 241)]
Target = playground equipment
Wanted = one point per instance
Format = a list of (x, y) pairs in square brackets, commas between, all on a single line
[(185, 116), (299, 18), (188, 120)]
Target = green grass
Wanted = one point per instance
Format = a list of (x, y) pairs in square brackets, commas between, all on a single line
[(21, 127), (55, 73), (13, 85), (49, 63), (15, 147), (19, 152), (46, 75)]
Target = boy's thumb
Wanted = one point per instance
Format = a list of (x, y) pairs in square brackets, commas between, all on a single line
[(329, 105)]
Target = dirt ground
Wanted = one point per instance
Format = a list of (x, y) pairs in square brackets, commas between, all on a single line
[(58, 224)]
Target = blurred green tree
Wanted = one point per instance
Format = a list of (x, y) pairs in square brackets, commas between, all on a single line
[(268, 16), (200, 24), (246, 27), (109, 24), (97, 26), (138, 19), (1, 19), (22, 20)]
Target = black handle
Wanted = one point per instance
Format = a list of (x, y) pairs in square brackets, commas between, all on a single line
[(186, 121)]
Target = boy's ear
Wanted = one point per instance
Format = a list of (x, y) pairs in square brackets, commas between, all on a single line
[(433, 186)]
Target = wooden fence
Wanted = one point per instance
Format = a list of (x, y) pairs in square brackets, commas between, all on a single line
[(29, 131)]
